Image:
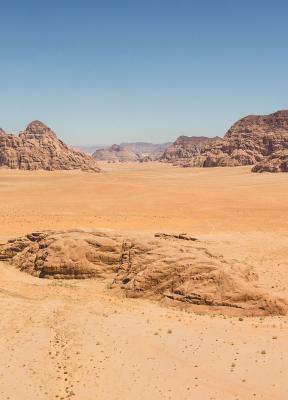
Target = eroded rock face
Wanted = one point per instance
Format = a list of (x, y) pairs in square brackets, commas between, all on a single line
[(115, 153), (247, 142), (177, 267), (39, 148), (72, 254), (277, 162), (185, 147)]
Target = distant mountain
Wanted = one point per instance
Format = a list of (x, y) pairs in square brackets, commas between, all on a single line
[(115, 153), (146, 149), (89, 149)]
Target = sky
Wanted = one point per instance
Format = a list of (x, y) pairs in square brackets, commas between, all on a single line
[(103, 72)]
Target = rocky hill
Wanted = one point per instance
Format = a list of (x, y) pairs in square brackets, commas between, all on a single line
[(37, 147), (247, 142), (185, 147), (115, 153)]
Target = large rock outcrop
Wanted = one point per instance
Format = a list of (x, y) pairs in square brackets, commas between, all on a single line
[(185, 147), (115, 153), (277, 162), (247, 142), (39, 148), (163, 266)]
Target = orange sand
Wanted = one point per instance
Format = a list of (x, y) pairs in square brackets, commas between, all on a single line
[(77, 340)]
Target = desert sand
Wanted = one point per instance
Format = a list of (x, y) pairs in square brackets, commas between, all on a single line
[(79, 339)]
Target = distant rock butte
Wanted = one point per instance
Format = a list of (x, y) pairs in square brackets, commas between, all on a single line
[(147, 151), (277, 162), (115, 153), (39, 148), (247, 142), (186, 147), (178, 268)]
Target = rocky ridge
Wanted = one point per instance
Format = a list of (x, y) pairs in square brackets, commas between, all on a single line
[(177, 268), (37, 147)]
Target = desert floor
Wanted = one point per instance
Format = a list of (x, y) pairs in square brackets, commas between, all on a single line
[(70, 339)]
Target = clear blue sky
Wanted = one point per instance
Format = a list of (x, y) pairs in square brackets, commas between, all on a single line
[(112, 71)]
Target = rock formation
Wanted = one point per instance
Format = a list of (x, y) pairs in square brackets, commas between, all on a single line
[(147, 151), (247, 142), (176, 267), (277, 162), (115, 153), (185, 147), (39, 148)]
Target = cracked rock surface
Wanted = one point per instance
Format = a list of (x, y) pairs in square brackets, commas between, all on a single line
[(163, 266)]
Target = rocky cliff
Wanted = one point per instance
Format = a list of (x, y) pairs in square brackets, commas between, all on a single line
[(247, 142), (39, 148)]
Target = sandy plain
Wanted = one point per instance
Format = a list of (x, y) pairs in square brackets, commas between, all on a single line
[(71, 339)]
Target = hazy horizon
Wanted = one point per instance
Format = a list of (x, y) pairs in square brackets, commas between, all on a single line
[(119, 143), (149, 72)]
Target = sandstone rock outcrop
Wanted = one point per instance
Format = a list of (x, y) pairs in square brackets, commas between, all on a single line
[(177, 267), (185, 147), (247, 142), (277, 162), (39, 148), (115, 153)]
